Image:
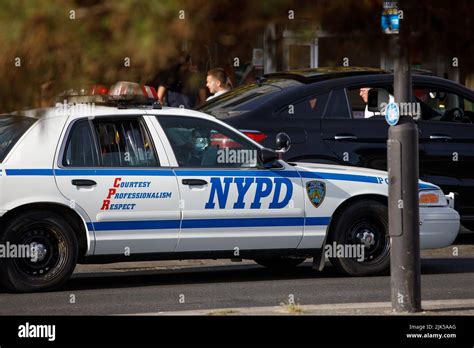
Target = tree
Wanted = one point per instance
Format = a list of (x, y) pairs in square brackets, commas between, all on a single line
[(49, 47)]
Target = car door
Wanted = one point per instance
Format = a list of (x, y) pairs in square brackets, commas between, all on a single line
[(114, 170), (228, 201), (447, 131), (301, 120), (355, 137)]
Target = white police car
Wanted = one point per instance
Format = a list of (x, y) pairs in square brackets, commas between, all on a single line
[(132, 181)]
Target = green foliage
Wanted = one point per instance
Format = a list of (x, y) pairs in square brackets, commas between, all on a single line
[(67, 43)]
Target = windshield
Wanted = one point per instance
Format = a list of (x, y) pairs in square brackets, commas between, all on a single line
[(11, 130), (245, 98)]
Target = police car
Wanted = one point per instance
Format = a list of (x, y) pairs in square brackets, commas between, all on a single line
[(129, 180)]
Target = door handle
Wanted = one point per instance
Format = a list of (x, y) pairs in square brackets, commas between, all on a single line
[(194, 182), (440, 137), (83, 182), (345, 137)]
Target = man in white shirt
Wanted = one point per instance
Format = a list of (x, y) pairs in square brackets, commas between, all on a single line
[(217, 82), (364, 94)]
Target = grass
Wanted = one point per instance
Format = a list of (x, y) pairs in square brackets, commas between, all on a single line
[(223, 312), (292, 308)]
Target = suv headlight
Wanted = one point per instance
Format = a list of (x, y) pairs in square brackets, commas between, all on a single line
[(432, 198)]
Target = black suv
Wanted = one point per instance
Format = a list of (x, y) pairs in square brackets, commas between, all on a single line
[(335, 115)]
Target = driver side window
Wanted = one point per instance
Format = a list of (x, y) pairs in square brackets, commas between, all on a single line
[(202, 143), (443, 106)]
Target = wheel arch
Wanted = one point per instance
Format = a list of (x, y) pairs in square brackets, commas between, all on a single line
[(75, 220), (351, 200), (319, 262)]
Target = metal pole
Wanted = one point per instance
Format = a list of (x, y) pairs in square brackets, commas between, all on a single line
[(402, 153)]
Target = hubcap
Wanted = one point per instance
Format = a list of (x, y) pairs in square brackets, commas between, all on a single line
[(38, 252), (371, 234), (46, 250), (367, 238)]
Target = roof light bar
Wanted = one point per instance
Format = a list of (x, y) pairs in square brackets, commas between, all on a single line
[(122, 94)]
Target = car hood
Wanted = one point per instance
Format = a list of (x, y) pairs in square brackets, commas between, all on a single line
[(368, 173)]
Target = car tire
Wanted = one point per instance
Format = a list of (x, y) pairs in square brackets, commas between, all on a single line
[(282, 263), (56, 252), (361, 223)]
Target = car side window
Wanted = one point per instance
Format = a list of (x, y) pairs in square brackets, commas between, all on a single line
[(469, 109), (80, 149), (124, 143), (337, 106), (311, 107), (202, 143), (359, 100), (441, 105)]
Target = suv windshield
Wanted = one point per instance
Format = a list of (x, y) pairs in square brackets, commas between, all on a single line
[(11, 129), (245, 98)]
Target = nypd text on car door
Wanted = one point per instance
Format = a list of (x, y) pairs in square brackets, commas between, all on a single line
[(228, 200)]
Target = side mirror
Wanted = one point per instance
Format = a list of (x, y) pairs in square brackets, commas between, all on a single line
[(377, 97), (283, 142), (268, 155)]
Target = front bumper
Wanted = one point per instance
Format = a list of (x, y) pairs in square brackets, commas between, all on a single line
[(439, 227)]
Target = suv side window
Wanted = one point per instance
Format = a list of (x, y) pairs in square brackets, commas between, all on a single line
[(202, 143), (80, 150), (359, 101), (124, 143), (312, 106), (441, 105), (338, 106)]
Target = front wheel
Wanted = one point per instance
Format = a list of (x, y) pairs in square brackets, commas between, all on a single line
[(50, 252), (359, 243)]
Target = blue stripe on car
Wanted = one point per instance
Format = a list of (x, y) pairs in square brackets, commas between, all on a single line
[(247, 173), (207, 223), (38, 172), (205, 172), (114, 172), (336, 176), (135, 225), (426, 186)]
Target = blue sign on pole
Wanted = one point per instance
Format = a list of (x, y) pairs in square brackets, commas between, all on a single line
[(390, 18), (392, 114)]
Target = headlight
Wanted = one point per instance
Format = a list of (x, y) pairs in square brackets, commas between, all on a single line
[(432, 198)]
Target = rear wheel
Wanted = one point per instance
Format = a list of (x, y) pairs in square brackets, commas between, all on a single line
[(359, 243), (53, 251), (282, 263)]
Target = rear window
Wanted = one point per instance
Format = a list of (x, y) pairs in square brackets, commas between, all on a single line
[(245, 98), (12, 127)]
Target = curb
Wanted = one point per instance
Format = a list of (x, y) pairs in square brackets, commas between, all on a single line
[(431, 307)]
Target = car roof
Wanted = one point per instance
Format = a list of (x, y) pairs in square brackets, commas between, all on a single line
[(345, 78), (80, 110), (325, 73), (358, 80)]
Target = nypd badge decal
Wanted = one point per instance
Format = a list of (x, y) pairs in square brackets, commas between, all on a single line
[(316, 191)]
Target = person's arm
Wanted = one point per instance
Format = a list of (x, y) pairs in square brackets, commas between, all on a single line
[(202, 96), (161, 94)]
